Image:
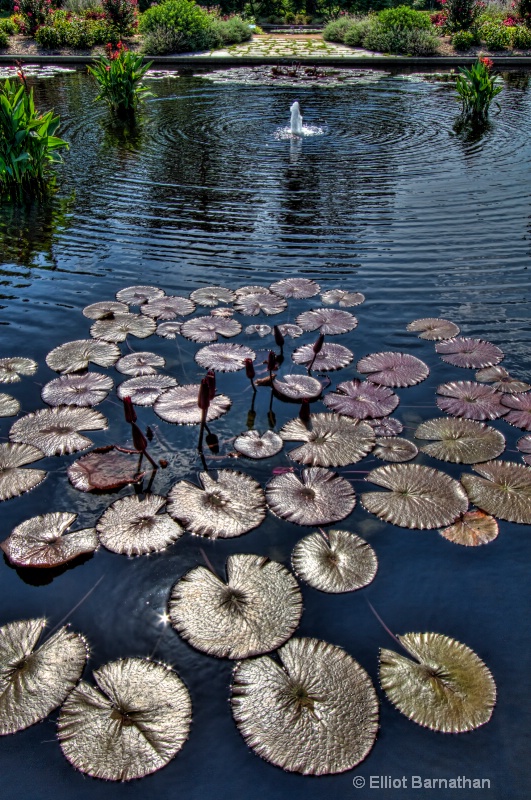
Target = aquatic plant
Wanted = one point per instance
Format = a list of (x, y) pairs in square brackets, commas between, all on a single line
[(476, 88), (119, 75), (28, 144)]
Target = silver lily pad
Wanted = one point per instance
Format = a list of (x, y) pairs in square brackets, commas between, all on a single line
[(330, 440), (470, 400), (224, 357), (336, 561), (330, 356), (133, 527), (208, 328), (46, 541), (461, 441), (12, 368), (434, 329), (394, 449), (298, 387), (145, 390), (137, 364), (179, 405), (55, 430), (362, 399), (252, 304), (343, 298), (77, 390), (298, 288), (76, 356), (138, 295), (501, 488), (327, 320), (105, 308), (318, 497), (211, 296), (121, 326), (169, 330), (168, 307), (9, 406), (254, 444), (14, 480)]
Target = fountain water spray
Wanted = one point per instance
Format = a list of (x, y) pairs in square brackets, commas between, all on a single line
[(296, 119)]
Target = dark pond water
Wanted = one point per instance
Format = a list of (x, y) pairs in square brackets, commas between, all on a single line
[(388, 201)]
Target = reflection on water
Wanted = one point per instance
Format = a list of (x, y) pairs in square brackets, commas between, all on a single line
[(389, 202)]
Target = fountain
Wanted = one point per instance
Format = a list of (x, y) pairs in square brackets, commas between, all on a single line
[(296, 119)]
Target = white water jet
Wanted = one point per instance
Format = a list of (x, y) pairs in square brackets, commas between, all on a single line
[(296, 119)]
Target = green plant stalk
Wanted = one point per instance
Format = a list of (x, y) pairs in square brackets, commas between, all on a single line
[(476, 89), (119, 81)]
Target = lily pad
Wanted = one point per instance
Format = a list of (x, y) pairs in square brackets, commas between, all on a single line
[(472, 529), (133, 527), (208, 328), (298, 387), (318, 497), (132, 725), (519, 410), (121, 326), (501, 488), (77, 390), (434, 329), (447, 688), (179, 405), (45, 541), (419, 497), (330, 440), (290, 330), (470, 400), (258, 445), (335, 561), (329, 357), (256, 610), (212, 296), (105, 309), (389, 426), (222, 507), (55, 430), (168, 307), (138, 295), (104, 469), (12, 368), (362, 399), (315, 712), (524, 446), (34, 682), (224, 357), (343, 298), (395, 449), (14, 480), (460, 441), (501, 380), (76, 356), (393, 369), (145, 390), (327, 320), (298, 288), (9, 406), (252, 304), (137, 364), (169, 330), (470, 353), (261, 330)]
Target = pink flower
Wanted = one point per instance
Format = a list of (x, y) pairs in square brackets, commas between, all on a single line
[(16, 9)]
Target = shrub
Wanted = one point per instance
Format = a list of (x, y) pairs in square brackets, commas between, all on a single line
[(357, 32), (523, 9), (462, 15), (70, 31), (233, 30), (162, 40), (476, 89), (28, 145), (520, 37), (336, 30), (82, 7), (416, 42), (495, 36), (34, 13), (184, 17), (404, 18), (119, 75), (3, 39), (464, 40), (122, 14), (8, 26)]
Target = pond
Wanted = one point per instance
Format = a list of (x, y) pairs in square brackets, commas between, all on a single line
[(385, 199)]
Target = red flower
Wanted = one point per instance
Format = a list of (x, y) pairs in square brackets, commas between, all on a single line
[(487, 62)]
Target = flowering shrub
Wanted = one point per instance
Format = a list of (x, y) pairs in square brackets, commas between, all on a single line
[(69, 30), (119, 75), (496, 36), (34, 13), (476, 89), (461, 15), (523, 9), (464, 40), (122, 14)]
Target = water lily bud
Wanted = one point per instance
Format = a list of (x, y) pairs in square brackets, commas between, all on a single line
[(318, 344), (129, 411), (304, 413), (211, 378), (279, 339), (139, 440), (213, 443), (271, 361), (203, 399), (149, 434), (249, 368)]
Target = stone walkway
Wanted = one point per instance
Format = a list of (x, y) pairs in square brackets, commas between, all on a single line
[(291, 46)]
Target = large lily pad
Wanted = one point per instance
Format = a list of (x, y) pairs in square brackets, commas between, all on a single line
[(254, 444), (501, 380), (133, 526), (393, 369), (33, 682), (9, 406), (470, 400), (335, 561), (105, 309), (394, 449), (471, 353), (298, 387), (104, 469), (146, 389), (224, 506), (419, 497), (462, 441), (447, 688), (519, 406), (343, 298), (55, 430), (212, 296), (77, 390), (298, 288), (14, 480), (179, 405), (208, 328), (12, 368), (137, 364), (133, 725), (168, 307), (318, 497), (252, 304), (256, 610), (501, 488), (330, 440), (434, 329), (224, 357), (121, 326), (327, 320), (169, 330), (76, 356), (315, 713), (472, 529), (138, 295), (362, 399), (330, 356), (45, 541)]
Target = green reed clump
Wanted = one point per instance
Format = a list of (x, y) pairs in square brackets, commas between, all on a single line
[(477, 88), (28, 144), (119, 75)]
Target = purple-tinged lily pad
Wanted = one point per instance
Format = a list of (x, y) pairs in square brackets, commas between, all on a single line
[(519, 406), (386, 427), (146, 389), (330, 357), (343, 298), (77, 390), (394, 449), (298, 387), (298, 288), (331, 321), (208, 328), (168, 307), (138, 295), (105, 309), (469, 353), (254, 444), (501, 488), (169, 330), (179, 405), (121, 326), (252, 304), (393, 369), (473, 528), (434, 329), (362, 399), (103, 470), (261, 330), (211, 296), (137, 364), (501, 380), (524, 446), (470, 400), (224, 357)]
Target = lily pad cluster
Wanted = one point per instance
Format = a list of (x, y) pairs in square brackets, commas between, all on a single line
[(302, 704)]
